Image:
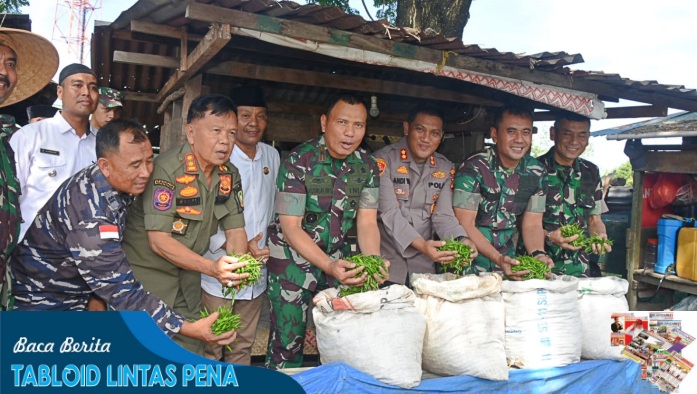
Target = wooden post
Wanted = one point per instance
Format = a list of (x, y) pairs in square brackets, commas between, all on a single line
[(634, 239)]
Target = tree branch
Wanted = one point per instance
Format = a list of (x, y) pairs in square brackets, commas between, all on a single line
[(366, 10)]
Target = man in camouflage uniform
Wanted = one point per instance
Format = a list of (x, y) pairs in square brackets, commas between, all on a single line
[(500, 188), (575, 194), (109, 107), (194, 189), (324, 187), (73, 248), (18, 83), (416, 198)]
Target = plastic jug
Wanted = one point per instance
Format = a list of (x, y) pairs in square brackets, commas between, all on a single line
[(667, 236), (686, 261)]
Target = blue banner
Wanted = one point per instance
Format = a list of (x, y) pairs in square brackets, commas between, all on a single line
[(114, 352)]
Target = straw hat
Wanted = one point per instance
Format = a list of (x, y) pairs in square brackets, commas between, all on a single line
[(37, 62)]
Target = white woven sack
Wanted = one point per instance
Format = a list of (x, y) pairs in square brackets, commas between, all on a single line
[(378, 332), (543, 323), (598, 299), (464, 325)]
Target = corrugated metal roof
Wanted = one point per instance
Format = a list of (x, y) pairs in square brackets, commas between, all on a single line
[(681, 124)]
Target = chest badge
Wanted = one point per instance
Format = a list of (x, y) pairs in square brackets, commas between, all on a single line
[(188, 211), (439, 175), (188, 191), (185, 179), (266, 170), (399, 192), (52, 173), (225, 185), (403, 170)]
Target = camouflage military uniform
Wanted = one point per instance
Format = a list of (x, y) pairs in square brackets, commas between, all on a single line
[(177, 200), (73, 249), (415, 201), (327, 193), (500, 196), (574, 195), (9, 196)]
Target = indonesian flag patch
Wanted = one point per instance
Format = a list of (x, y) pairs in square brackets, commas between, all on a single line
[(109, 232)]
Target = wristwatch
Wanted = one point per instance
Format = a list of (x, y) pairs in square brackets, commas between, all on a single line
[(537, 253)]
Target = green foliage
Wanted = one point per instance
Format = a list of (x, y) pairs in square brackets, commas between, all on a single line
[(12, 6), (624, 171)]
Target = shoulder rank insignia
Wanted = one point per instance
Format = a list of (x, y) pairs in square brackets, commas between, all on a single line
[(188, 211), (190, 161), (185, 179), (439, 175), (162, 199), (403, 170), (225, 185), (179, 226), (403, 154), (433, 160), (382, 165), (188, 191)]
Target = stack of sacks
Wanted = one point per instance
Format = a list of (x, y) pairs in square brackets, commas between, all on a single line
[(464, 325), (543, 323), (377, 332), (598, 299)]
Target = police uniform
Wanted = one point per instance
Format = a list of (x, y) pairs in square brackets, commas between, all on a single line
[(9, 196), (73, 249), (415, 201), (327, 193), (47, 153), (575, 193), (499, 195), (177, 200)]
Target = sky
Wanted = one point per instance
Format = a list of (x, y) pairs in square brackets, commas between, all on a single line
[(638, 39)]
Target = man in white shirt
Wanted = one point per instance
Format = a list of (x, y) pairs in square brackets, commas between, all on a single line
[(49, 152), (258, 165)]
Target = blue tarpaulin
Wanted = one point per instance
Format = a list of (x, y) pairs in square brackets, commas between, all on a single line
[(597, 376)]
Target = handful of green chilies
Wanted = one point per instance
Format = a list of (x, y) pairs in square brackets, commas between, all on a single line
[(253, 268), (587, 243), (537, 268), (462, 257), (225, 322), (372, 265)]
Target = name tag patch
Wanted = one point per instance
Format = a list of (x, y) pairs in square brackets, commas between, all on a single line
[(50, 152)]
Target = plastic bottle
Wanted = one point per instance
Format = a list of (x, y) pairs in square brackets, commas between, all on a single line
[(650, 253)]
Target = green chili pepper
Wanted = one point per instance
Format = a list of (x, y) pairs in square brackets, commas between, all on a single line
[(225, 322), (253, 268), (372, 265), (583, 240), (463, 257), (537, 268)]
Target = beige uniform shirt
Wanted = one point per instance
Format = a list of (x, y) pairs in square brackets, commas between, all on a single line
[(177, 200), (415, 201)]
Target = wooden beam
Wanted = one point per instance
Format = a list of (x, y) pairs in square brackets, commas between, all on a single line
[(136, 96), (343, 82), (288, 28), (640, 111), (161, 30), (216, 38), (145, 59), (679, 162)]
